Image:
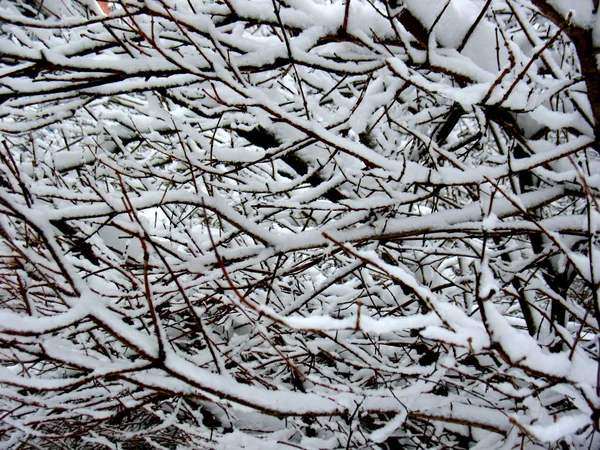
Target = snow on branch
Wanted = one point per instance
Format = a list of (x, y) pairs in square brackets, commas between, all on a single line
[(303, 223)]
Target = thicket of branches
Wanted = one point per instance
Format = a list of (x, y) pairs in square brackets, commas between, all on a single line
[(299, 224)]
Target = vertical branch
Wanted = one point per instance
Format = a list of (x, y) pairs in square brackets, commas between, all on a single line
[(291, 55), (473, 26), (346, 16)]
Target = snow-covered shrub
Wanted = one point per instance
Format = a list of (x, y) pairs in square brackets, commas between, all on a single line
[(299, 224)]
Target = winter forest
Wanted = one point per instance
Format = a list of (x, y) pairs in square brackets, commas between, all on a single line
[(300, 224)]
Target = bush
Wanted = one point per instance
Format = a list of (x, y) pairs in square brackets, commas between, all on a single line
[(299, 224)]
